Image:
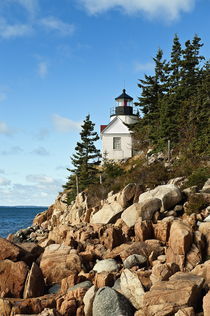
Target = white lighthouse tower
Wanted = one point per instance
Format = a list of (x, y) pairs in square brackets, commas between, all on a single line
[(116, 136)]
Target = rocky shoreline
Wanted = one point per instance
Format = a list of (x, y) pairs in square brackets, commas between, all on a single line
[(135, 253)]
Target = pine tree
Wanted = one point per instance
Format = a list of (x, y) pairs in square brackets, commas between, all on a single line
[(84, 161)]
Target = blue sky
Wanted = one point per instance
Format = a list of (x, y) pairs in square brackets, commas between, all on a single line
[(63, 59)]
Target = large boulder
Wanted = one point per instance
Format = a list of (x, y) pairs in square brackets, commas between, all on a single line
[(88, 300), (109, 302), (134, 260), (30, 306), (140, 248), (132, 288), (169, 194), (144, 209), (106, 265), (58, 262), (143, 230), (10, 251), (206, 187), (46, 312), (167, 297), (34, 285), (73, 299), (112, 237), (109, 213), (126, 196), (12, 278), (105, 279), (206, 304), (162, 272), (203, 270), (187, 311), (162, 229), (204, 229), (43, 216), (193, 258), (180, 243)]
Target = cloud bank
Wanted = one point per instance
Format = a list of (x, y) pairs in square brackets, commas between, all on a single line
[(13, 30), (42, 190), (65, 125), (170, 9), (4, 181), (32, 20)]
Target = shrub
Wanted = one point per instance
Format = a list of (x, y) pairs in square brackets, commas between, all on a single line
[(195, 204), (198, 177)]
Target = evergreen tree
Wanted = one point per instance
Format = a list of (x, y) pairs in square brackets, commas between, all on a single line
[(85, 160), (153, 89), (191, 65), (170, 104), (175, 63), (175, 100)]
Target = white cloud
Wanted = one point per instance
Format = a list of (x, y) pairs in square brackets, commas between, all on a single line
[(5, 129), (143, 67), (42, 69), (30, 194), (40, 179), (30, 5), (169, 9), (4, 181), (40, 151), (13, 30), (65, 125), (54, 24)]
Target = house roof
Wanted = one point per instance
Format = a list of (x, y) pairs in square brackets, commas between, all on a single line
[(116, 126), (102, 127), (124, 96)]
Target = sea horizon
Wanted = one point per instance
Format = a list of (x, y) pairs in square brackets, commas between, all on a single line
[(14, 218)]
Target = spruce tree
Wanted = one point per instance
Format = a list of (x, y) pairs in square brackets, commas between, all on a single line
[(175, 63), (85, 160), (171, 102), (175, 101)]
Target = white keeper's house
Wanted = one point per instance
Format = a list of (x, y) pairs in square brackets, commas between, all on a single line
[(116, 136)]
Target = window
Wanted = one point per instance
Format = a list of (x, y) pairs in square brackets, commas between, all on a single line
[(117, 143)]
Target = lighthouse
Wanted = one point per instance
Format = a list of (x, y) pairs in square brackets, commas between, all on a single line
[(116, 136)]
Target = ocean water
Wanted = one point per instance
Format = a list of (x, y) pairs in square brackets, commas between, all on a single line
[(17, 217)]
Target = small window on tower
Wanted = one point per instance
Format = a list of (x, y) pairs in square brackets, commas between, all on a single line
[(117, 143)]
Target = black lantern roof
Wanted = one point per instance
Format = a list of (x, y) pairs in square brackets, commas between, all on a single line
[(124, 96)]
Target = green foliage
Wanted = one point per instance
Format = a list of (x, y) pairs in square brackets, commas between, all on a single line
[(198, 177), (175, 100), (111, 170), (195, 204), (85, 161)]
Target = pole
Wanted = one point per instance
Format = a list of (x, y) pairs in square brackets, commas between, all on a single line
[(169, 150), (77, 185)]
